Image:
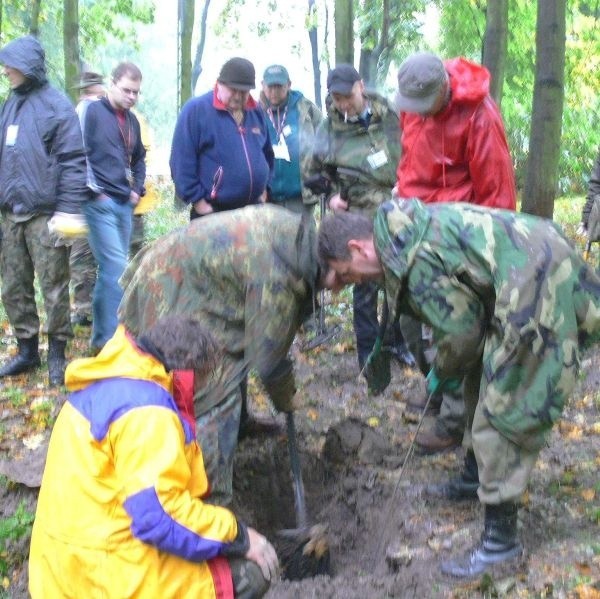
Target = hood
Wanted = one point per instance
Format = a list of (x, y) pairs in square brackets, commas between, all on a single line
[(378, 105), (398, 229), (26, 55), (301, 256), (469, 81), (119, 358)]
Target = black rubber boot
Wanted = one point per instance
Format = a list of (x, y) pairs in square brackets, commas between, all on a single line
[(463, 487), (27, 359), (498, 543), (56, 361)]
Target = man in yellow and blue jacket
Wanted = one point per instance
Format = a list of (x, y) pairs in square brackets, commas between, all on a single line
[(121, 510)]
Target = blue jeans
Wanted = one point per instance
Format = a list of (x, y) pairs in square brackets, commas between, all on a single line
[(109, 226)]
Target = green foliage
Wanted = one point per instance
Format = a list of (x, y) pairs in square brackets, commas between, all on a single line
[(13, 528), (169, 214), (463, 25)]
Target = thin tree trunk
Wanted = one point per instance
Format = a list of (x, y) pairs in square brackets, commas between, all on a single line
[(197, 68), (344, 31), (548, 97), (186, 26), (494, 44), (71, 45), (34, 25), (314, 48)]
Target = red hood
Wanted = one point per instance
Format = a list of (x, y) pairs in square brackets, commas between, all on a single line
[(469, 81)]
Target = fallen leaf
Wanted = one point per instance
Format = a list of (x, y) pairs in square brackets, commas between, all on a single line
[(373, 422), (588, 494), (312, 414), (33, 441)]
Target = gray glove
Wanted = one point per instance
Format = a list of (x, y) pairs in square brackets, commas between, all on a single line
[(281, 386)]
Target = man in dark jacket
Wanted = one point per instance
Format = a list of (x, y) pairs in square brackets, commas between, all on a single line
[(116, 156), (42, 172)]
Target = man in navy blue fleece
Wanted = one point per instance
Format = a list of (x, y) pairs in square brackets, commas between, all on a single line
[(221, 155)]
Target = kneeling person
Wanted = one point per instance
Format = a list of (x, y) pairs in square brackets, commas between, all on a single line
[(121, 510)]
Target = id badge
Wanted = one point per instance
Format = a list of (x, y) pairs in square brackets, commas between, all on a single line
[(129, 175), (281, 150), (377, 160), (11, 135)]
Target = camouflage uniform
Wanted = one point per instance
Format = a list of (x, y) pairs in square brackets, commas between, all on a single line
[(247, 275), (359, 146), (509, 301)]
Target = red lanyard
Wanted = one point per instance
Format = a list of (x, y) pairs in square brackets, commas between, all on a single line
[(278, 129), (121, 122)]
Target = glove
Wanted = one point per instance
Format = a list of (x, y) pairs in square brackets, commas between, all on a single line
[(436, 385), (281, 387), (377, 369), (67, 226)]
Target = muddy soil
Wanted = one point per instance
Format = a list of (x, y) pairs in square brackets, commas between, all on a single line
[(352, 448)]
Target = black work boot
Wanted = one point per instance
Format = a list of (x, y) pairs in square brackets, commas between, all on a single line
[(27, 359), (56, 361), (463, 487), (498, 543)]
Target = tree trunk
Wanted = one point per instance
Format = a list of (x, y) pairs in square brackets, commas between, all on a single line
[(343, 17), (494, 44), (314, 48), (185, 28), (34, 25), (548, 96), (371, 60), (197, 68), (71, 45)]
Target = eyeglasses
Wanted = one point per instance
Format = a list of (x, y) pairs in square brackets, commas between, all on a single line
[(129, 92)]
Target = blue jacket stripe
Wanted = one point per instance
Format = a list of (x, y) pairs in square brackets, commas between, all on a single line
[(152, 525)]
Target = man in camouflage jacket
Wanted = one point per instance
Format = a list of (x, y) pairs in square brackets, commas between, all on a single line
[(510, 303), (246, 275), (357, 148)]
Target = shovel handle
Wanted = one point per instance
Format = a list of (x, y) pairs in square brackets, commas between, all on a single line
[(299, 501)]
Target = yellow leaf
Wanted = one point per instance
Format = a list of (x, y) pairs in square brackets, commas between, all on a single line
[(5, 583), (588, 494), (595, 428), (373, 422), (312, 414)]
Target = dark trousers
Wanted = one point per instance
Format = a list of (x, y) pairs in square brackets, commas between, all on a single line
[(366, 325)]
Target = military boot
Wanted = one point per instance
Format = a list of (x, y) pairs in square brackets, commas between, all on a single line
[(463, 487), (498, 543), (56, 361), (27, 359)]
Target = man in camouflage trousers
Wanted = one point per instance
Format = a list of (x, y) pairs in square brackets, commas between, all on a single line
[(510, 303), (247, 275)]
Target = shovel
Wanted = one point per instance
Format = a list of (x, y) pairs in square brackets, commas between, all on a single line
[(306, 550)]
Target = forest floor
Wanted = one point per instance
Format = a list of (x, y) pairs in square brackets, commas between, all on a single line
[(352, 447)]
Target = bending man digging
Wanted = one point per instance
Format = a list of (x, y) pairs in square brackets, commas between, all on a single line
[(510, 303)]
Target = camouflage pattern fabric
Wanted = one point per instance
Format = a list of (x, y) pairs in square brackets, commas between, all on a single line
[(82, 265), (503, 291), (28, 251), (247, 274), (248, 581), (350, 145)]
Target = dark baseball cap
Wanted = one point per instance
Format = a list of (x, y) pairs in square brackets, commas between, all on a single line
[(342, 79), (276, 75), (238, 73), (420, 79)]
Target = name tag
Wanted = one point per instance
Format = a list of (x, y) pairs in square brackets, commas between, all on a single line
[(281, 150), (11, 135), (377, 160)]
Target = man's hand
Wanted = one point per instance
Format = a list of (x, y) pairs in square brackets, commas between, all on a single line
[(263, 197), (134, 198), (202, 207), (336, 204), (263, 554)]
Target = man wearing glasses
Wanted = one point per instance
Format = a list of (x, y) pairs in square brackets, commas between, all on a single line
[(116, 157)]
